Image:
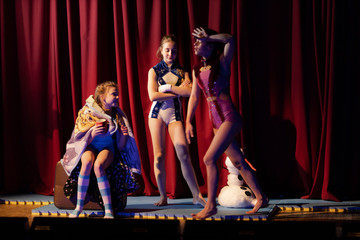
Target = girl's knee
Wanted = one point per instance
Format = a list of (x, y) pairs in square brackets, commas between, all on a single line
[(209, 160), (241, 164), (181, 152), (87, 162), (238, 164), (237, 159), (99, 169)]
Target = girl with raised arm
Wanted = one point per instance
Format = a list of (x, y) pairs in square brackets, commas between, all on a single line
[(212, 76)]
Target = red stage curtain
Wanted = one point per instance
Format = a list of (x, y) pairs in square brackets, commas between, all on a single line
[(294, 79)]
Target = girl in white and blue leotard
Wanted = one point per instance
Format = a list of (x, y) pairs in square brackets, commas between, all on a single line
[(168, 110), (167, 81)]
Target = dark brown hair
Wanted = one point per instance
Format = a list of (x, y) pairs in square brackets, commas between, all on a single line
[(218, 47)]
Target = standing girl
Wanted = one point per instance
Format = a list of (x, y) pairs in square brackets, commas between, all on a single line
[(167, 81), (101, 149), (212, 75)]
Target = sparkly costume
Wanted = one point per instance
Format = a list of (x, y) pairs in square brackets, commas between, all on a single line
[(169, 110), (216, 90)]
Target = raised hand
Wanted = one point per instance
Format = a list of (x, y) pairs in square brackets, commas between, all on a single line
[(200, 34)]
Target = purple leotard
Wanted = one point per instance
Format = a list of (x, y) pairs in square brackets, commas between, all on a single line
[(216, 90)]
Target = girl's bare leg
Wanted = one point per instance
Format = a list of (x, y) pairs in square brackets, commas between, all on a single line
[(238, 160), (87, 161), (157, 130), (224, 136), (220, 142), (177, 135)]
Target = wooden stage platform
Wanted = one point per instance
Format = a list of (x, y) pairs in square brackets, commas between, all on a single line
[(35, 217)]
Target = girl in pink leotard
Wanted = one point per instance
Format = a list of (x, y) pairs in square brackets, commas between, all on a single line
[(216, 90), (212, 76)]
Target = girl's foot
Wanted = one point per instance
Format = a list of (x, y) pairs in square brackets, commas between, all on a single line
[(109, 216), (75, 214), (161, 202), (205, 213), (199, 200), (263, 202)]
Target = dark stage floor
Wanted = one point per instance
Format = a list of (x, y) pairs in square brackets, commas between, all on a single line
[(35, 217)]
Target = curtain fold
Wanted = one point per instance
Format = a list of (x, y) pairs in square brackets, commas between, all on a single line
[(294, 78)]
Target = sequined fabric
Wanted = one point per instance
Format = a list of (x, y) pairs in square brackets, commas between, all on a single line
[(173, 75), (216, 90)]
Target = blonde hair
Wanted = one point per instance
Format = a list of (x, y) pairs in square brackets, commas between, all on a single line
[(166, 38), (101, 89)]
